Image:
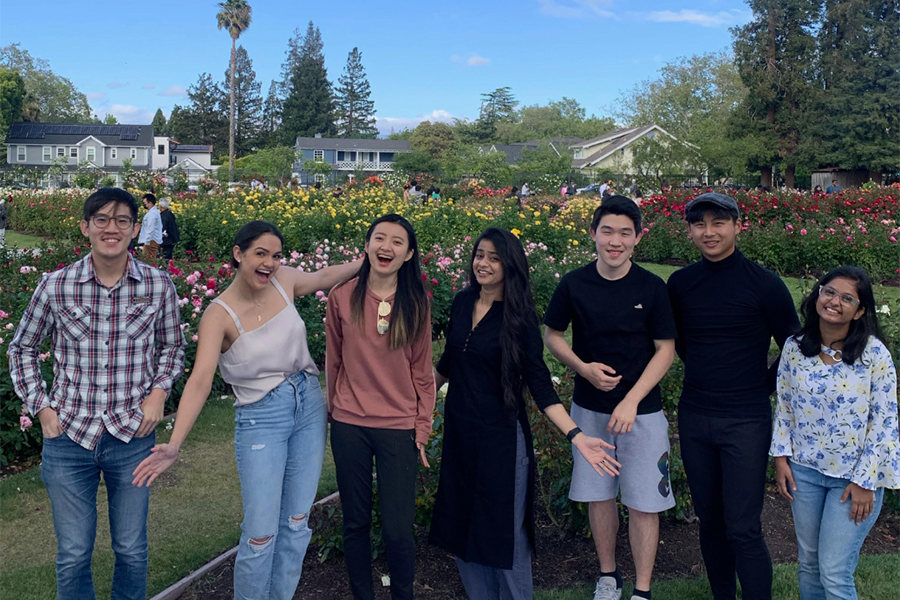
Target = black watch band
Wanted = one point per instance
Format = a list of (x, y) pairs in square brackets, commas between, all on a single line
[(571, 435)]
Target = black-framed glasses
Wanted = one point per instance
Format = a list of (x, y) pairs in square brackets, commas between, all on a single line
[(829, 293), (121, 221)]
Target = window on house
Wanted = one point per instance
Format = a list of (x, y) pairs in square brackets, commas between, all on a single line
[(20, 153), (387, 157), (371, 157), (133, 153), (114, 153), (318, 155), (161, 149), (48, 153), (341, 155), (73, 152), (91, 153), (60, 152)]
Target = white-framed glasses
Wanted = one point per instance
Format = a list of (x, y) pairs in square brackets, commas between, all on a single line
[(829, 293)]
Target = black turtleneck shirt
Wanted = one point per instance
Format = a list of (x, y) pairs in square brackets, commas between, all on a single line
[(726, 313)]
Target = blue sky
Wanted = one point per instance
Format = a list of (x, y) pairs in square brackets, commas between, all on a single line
[(424, 59)]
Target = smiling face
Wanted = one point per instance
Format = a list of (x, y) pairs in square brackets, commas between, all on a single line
[(486, 264), (387, 249), (109, 242), (260, 261), (837, 311), (715, 236), (615, 239)]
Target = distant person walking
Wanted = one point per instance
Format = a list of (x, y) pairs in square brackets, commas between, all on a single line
[(151, 228), (834, 188), (169, 227), (3, 214), (571, 190)]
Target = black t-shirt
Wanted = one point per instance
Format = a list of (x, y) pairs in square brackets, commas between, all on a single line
[(614, 323)]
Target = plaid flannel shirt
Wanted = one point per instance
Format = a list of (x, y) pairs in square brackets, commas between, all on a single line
[(111, 348)]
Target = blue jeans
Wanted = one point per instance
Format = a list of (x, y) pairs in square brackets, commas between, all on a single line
[(279, 443), (827, 540), (71, 475)]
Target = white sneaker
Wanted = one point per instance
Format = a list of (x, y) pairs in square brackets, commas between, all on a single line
[(606, 589)]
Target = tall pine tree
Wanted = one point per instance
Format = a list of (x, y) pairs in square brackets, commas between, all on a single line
[(856, 121), (775, 54), (248, 103), (159, 123), (355, 111), (309, 107), (271, 116), (205, 120)]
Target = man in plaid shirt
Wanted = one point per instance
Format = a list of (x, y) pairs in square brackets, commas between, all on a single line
[(118, 349)]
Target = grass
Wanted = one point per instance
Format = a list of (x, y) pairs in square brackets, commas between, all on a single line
[(877, 578), (195, 515), (22, 240)]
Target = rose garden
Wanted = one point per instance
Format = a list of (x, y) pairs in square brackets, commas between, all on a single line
[(797, 235)]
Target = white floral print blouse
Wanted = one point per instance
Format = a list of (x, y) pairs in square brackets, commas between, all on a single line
[(840, 420)]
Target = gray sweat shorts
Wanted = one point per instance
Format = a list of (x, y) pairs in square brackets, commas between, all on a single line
[(644, 454)]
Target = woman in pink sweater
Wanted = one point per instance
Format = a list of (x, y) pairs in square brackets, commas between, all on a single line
[(380, 399)]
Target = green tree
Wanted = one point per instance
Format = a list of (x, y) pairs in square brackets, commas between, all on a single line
[(417, 161), (435, 139), (203, 121), (497, 107), (110, 119), (271, 116), (12, 100), (50, 98), (159, 123), (355, 110), (693, 99), (855, 121), (775, 53), (234, 16), (273, 165), (248, 104), (564, 117), (309, 108), (545, 160)]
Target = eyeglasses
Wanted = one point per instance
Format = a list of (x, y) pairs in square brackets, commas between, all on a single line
[(122, 221), (829, 293)]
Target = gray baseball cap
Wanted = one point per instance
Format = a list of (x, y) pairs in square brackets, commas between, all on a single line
[(717, 199)]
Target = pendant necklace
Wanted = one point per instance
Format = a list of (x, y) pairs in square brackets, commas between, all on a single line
[(384, 309)]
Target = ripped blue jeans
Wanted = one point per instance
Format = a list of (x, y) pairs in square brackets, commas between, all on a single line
[(279, 443)]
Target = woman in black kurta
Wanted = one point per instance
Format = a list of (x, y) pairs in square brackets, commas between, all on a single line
[(478, 514)]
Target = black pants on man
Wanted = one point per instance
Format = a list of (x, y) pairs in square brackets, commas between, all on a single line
[(725, 460), (395, 455)]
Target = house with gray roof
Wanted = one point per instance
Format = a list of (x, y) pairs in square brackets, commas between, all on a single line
[(612, 152), (558, 144), (103, 147), (346, 156), (195, 160)]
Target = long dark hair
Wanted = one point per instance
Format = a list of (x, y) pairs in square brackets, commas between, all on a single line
[(251, 232), (518, 312), (410, 310), (810, 337)]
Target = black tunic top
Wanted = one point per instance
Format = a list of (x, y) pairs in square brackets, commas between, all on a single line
[(473, 511)]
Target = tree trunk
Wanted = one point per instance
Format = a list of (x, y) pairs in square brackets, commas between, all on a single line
[(765, 177), (789, 172), (231, 112)]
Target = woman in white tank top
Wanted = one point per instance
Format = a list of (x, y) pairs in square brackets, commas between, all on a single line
[(255, 336)]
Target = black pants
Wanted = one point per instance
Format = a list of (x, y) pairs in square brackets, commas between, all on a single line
[(167, 251), (395, 455), (725, 460)]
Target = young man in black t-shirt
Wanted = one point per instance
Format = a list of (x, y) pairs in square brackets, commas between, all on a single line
[(622, 345), (728, 309)]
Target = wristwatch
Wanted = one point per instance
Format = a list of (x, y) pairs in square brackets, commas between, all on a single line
[(571, 435)]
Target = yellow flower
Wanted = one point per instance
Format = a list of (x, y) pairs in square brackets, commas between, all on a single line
[(574, 242), (516, 232), (537, 222), (224, 222)]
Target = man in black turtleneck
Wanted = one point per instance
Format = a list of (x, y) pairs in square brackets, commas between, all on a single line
[(727, 309)]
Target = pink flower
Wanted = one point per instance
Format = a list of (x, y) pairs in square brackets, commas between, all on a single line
[(194, 338), (434, 281), (3, 315), (802, 232), (25, 423)]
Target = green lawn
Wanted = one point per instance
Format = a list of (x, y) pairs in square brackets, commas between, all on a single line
[(877, 578), (195, 515), (22, 240)]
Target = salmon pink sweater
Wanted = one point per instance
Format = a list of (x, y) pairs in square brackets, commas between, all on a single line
[(369, 384)]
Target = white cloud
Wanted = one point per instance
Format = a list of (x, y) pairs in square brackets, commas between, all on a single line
[(114, 85), (148, 86), (174, 90), (388, 125), (694, 17), (577, 9), (477, 61), (127, 113), (95, 96)]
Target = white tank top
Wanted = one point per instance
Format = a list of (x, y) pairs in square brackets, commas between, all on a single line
[(259, 360)]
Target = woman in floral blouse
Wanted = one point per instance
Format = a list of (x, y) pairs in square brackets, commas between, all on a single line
[(836, 420)]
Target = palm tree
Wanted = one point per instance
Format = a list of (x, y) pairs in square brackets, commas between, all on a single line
[(234, 16)]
